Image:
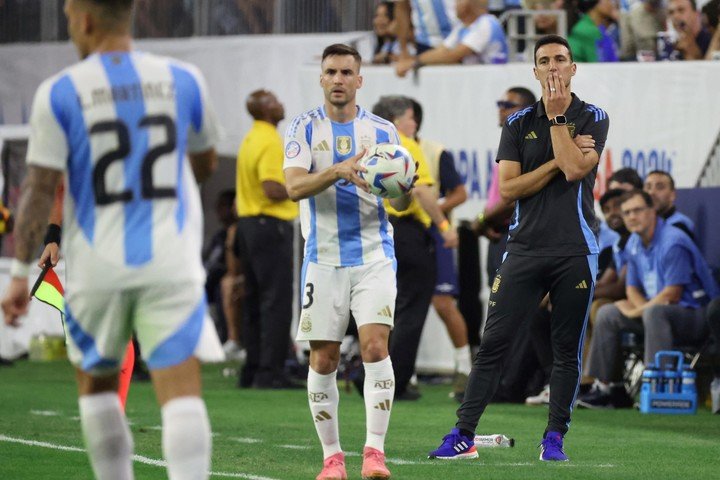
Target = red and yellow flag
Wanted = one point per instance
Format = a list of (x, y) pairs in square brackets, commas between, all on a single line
[(48, 289)]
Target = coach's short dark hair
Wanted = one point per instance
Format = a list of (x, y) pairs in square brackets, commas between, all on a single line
[(527, 97), (391, 107), (627, 175), (341, 49), (633, 193), (665, 174), (548, 40), (610, 195)]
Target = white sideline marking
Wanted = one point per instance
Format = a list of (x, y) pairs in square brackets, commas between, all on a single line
[(295, 447), (45, 413), (245, 440), (136, 458)]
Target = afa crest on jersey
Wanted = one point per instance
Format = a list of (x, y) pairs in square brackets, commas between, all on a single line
[(343, 144)]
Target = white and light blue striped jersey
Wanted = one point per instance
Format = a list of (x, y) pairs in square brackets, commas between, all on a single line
[(342, 225), (120, 126), (433, 20), (485, 37)]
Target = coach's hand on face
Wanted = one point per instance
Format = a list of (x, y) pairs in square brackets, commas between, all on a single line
[(348, 171), (556, 96)]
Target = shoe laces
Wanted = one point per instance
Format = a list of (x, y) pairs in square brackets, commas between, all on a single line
[(334, 462), (376, 454), (552, 442), (452, 438)]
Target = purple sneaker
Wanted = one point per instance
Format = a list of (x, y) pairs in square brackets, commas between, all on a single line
[(551, 448), (454, 447)]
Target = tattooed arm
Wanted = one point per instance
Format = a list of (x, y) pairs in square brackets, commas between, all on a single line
[(36, 202)]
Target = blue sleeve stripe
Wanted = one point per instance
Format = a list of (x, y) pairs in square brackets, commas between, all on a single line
[(381, 136), (519, 114), (599, 112), (121, 74), (80, 168), (188, 91)]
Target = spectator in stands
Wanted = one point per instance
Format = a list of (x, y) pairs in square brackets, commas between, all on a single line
[(710, 14), (545, 24), (414, 249), (264, 238), (693, 38), (386, 47), (426, 23), (591, 39), (216, 268), (661, 187), (625, 179), (638, 29), (478, 39), (669, 284), (711, 18), (451, 192)]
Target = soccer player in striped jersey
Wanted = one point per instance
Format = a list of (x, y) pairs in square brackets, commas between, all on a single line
[(118, 128), (349, 264)]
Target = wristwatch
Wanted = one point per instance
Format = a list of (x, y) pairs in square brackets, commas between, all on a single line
[(558, 120)]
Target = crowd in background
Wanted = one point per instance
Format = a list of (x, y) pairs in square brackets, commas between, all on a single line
[(598, 31)]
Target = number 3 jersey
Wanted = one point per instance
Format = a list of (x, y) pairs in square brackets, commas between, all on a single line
[(342, 225), (120, 125)]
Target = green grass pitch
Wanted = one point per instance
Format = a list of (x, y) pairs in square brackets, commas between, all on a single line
[(268, 435)]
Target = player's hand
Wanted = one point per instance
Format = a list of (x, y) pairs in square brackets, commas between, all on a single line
[(450, 237), (585, 143), (15, 302), (404, 65), (555, 95), (51, 252), (349, 170)]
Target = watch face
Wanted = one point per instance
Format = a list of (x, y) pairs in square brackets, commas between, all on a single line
[(560, 120)]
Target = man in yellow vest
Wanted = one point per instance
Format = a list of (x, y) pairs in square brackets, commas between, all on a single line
[(451, 191), (264, 243), (414, 249)]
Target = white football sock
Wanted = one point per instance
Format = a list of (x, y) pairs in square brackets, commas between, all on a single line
[(107, 436), (323, 397), (462, 360), (186, 438), (379, 390)]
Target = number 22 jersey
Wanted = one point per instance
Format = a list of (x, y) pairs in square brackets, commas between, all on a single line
[(120, 125)]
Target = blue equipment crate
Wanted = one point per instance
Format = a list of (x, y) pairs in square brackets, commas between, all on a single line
[(682, 400)]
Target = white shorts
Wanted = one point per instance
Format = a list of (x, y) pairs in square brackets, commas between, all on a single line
[(168, 320), (330, 293)]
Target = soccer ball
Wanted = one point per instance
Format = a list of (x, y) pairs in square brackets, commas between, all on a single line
[(390, 170)]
